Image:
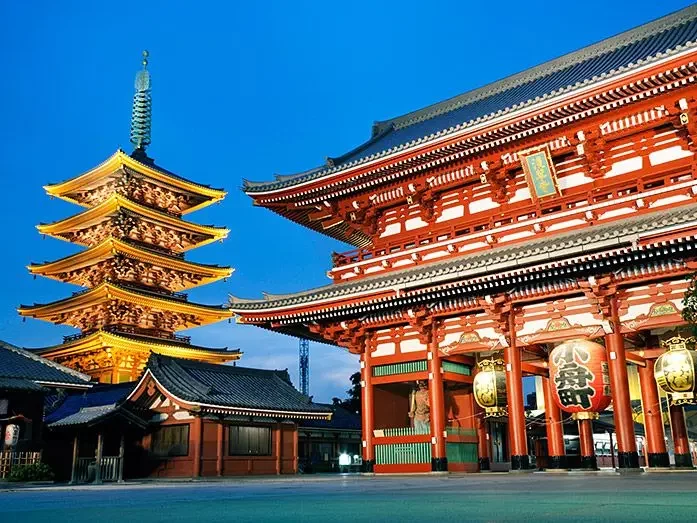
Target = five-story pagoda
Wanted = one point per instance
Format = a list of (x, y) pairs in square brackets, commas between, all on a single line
[(133, 269)]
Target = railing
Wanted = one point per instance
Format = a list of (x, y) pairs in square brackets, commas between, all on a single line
[(129, 329), (456, 368), (11, 458), (400, 368), (86, 470), (403, 453), (479, 222), (395, 432)]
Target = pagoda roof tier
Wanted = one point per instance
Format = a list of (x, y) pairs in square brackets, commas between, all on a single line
[(70, 310), (503, 100), (79, 264), (70, 190), (138, 344), (478, 273), (65, 229)]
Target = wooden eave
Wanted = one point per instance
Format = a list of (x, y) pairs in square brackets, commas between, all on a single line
[(119, 159), (111, 246), (109, 291), (102, 339), (116, 202)]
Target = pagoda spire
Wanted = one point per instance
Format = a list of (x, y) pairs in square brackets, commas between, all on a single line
[(142, 111)]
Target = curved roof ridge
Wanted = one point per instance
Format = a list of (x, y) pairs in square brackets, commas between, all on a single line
[(546, 68)]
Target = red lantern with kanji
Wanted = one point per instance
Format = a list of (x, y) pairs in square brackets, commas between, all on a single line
[(578, 370)]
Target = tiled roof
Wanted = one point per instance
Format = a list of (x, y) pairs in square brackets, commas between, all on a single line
[(601, 61), (92, 406), (22, 384), (22, 364), (99, 396), (230, 386), (559, 246), (342, 419)]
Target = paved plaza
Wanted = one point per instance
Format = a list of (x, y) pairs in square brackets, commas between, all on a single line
[(480, 497)]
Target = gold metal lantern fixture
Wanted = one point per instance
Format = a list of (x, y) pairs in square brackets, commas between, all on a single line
[(676, 371), (489, 387)]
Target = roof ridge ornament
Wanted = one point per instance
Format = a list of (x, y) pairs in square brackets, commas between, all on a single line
[(141, 115)]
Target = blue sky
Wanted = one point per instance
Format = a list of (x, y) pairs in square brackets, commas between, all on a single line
[(242, 90)]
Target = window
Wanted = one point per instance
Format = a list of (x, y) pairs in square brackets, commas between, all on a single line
[(170, 440), (249, 441)]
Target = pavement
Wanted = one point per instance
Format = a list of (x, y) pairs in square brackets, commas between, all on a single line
[(468, 497)]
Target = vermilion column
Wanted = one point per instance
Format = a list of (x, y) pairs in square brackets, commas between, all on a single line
[(482, 438), (627, 455), (439, 461), (653, 418), (555, 431), (516, 405), (279, 447), (367, 414), (681, 443), (197, 442), (585, 436), (219, 449)]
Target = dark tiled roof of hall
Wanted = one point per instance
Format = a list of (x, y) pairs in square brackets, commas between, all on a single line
[(608, 58), (20, 369), (230, 386), (556, 247)]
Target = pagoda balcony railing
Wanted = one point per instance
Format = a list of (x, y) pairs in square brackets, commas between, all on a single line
[(153, 247), (129, 329), (180, 296)]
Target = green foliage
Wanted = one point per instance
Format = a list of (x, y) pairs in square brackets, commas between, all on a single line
[(33, 472), (353, 402), (689, 312)]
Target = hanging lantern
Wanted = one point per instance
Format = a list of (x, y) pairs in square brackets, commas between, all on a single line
[(579, 371), (489, 387), (676, 371)]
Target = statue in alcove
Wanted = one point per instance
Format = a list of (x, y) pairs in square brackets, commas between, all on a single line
[(420, 408)]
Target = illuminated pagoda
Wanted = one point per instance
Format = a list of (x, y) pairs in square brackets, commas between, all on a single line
[(133, 268), (557, 204)]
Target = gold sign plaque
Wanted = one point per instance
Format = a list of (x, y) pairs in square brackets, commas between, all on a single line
[(539, 173)]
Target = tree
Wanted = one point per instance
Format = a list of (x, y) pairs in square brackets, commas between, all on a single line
[(353, 402)]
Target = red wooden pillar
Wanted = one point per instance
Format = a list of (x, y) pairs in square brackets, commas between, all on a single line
[(367, 414), (516, 405), (482, 438), (439, 461), (556, 450), (197, 443), (585, 436), (657, 455), (279, 446), (627, 455), (681, 443), (220, 450), (295, 448)]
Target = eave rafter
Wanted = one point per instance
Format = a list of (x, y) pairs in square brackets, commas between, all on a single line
[(113, 247), (116, 203), (120, 159), (108, 292)]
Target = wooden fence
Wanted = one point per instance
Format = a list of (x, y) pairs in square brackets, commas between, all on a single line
[(10, 458)]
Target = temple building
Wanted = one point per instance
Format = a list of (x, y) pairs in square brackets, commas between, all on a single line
[(543, 225), (133, 268)]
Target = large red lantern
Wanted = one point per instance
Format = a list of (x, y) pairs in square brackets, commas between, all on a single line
[(578, 370)]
